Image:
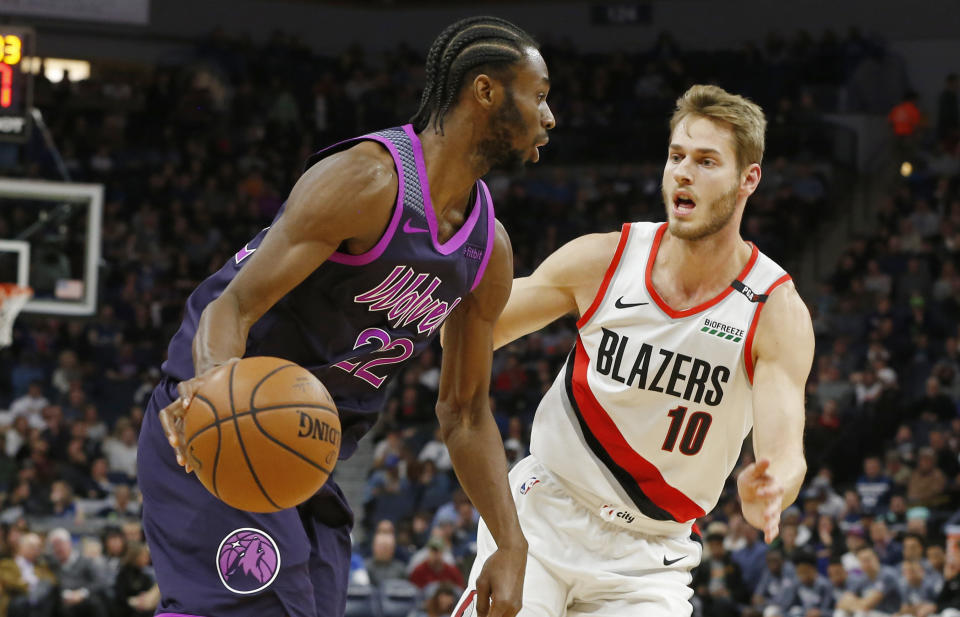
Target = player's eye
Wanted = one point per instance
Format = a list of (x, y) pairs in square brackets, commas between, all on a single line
[(709, 162), (675, 158)]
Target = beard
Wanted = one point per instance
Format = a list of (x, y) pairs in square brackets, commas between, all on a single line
[(497, 151), (721, 211)]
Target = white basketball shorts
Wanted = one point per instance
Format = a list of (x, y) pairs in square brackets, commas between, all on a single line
[(580, 564)]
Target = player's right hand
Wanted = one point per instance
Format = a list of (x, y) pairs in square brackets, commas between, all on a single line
[(172, 416), (500, 583), (761, 498)]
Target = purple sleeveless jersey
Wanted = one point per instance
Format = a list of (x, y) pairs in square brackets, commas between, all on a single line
[(357, 319)]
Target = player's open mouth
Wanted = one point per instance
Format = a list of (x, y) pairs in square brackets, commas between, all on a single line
[(683, 203), (537, 146)]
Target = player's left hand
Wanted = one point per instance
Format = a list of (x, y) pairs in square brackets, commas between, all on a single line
[(500, 584), (761, 496)]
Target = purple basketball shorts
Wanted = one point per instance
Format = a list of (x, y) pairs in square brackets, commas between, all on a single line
[(211, 559)]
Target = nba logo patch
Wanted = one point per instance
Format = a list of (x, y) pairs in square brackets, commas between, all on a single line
[(248, 560), (528, 484)]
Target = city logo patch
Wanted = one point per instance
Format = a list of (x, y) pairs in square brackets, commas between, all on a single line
[(248, 561), (528, 484), (610, 512), (722, 331)]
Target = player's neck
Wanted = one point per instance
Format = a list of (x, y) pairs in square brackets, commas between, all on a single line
[(451, 166), (698, 268)]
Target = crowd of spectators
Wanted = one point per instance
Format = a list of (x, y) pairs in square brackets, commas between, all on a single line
[(196, 159)]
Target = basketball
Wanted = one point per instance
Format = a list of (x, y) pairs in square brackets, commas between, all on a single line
[(263, 434)]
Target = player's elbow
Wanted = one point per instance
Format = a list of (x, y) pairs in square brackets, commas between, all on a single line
[(454, 415)]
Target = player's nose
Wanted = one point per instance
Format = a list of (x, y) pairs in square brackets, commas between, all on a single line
[(681, 172), (546, 118)]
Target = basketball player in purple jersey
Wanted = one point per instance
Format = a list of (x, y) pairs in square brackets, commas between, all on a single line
[(384, 238)]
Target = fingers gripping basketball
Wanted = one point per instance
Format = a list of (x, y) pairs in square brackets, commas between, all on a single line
[(262, 434)]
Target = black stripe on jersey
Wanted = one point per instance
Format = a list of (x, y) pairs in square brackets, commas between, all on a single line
[(623, 477)]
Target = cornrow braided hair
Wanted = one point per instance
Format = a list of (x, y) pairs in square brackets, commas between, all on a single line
[(471, 44)]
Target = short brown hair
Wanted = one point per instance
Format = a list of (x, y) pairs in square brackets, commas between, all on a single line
[(743, 115)]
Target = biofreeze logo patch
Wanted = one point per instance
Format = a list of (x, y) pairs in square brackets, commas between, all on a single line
[(722, 330)]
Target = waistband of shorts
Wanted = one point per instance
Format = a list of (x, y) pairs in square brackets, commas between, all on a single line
[(618, 514)]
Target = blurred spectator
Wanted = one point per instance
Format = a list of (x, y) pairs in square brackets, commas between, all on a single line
[(31, 405), (432, 488), (115, 550), (881, 590), (31, 590), (873, 487), (440, 602), (383, 564), (751, 558), (435, 450), (63, 508), (718, 581), (120, 505), (135, 592), (855, 540), (776, 582), (81, 588), (888, 550), (810, 593), (389, 450), (917, 595), (16, 436), (434, 568), (949, 597), (121, 449), (846, 587), (927, 482), (391, 496)]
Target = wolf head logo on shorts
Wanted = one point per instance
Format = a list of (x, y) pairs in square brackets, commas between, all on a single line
[(248, 560)]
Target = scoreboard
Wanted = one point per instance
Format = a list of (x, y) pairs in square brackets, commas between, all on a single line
[(16, 86)]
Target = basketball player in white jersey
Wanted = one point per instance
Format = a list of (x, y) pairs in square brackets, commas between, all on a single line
[(688, 338)]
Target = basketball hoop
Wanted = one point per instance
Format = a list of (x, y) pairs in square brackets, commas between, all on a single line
[(12, 299)]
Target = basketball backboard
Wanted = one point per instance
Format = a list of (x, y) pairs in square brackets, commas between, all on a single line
[(50, 240)]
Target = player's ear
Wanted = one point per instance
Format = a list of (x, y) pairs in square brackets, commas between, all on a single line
[(750, 179), (484, 90)]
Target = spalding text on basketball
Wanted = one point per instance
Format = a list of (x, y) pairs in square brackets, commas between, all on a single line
[(317, 429)]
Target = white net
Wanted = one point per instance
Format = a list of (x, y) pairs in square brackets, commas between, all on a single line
[(12, 299)]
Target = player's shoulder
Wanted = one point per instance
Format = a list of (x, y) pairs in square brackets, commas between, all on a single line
[(785, 303), (367, 168), (785, 329)]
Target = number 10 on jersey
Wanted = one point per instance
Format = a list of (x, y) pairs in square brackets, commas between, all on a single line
[(693, 435)]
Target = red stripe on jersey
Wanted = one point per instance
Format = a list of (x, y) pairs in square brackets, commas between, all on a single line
[(748, 343), (648, 276), (624, 234), (466, 603), (643, 472)]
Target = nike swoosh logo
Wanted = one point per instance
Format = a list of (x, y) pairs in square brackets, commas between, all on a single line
[(670, 562), (619, 303), (413, 230)]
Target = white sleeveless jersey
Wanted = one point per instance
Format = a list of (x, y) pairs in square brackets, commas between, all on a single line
[(652, 406)]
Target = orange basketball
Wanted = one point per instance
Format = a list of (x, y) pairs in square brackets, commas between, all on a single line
[(263, 434)]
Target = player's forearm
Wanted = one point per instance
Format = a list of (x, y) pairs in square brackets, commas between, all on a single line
[(791, 472), (476, 451), (221, 334)]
